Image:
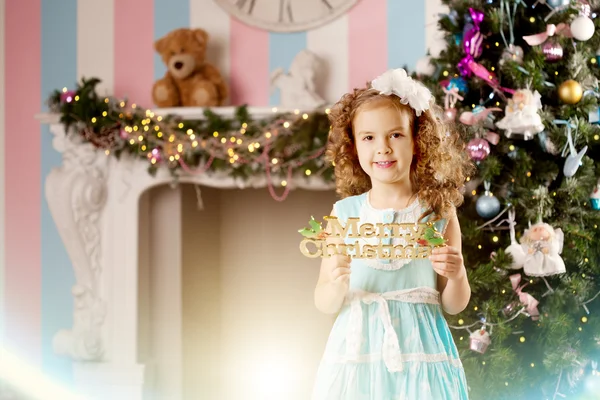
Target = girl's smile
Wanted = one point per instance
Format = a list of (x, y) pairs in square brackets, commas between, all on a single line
[(384, 164)]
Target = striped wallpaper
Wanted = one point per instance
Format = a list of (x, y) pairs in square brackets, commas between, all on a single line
[(49, 44)]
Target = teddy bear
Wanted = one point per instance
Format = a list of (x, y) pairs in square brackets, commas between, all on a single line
[(190, 81)]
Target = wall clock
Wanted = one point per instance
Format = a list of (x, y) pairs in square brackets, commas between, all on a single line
[(286, 15)]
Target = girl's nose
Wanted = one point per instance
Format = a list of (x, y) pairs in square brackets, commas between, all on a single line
[(384, 148)]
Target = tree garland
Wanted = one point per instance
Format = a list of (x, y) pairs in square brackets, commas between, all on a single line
[(283, 146)]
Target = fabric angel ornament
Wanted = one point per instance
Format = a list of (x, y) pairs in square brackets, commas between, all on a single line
[(521, 114), (542, 246)]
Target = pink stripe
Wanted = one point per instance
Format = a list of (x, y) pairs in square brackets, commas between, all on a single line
[(249, 75), (23, 182), (134, 51), (367, 42)]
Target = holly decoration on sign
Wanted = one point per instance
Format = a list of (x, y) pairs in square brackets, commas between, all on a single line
[(432, 237), (315, 231)]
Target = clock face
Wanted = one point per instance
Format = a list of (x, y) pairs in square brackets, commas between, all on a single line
[(286, 15)]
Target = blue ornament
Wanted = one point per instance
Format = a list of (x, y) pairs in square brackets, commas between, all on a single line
[(594, 115), (595, 198), (460, 83), (453, 16), (458, 37), (545, 142)]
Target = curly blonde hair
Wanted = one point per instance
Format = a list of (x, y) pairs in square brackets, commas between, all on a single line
[(440, 165)]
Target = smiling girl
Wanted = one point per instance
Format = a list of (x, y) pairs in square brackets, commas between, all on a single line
[(395, 162)]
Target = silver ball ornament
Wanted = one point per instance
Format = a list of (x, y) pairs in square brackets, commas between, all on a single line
[(487, 206), (558, 3)]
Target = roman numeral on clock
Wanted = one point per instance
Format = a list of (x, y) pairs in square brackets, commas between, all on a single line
[(285, 9), (241, 4)]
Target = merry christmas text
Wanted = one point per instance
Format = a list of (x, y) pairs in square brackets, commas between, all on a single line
[(414, 235)]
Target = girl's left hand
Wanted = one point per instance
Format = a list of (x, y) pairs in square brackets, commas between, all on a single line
[(448, 261)]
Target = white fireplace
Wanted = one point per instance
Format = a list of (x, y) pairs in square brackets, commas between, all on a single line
[(96, 202)]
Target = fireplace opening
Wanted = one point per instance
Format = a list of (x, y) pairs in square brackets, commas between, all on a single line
[(225, 298)]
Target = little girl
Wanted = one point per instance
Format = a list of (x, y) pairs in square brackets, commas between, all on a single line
[(395, 162)]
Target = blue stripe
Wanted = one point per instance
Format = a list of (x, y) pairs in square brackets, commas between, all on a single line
[(58, 70), (283, 47), (168, 15), (406, 33)]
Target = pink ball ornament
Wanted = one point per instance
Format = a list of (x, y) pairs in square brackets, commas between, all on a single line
[(552, 50), (155, 155), (478, 149), (450, 114), (67, 96)]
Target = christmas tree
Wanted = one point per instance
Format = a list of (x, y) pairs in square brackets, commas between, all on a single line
[(520, 80)]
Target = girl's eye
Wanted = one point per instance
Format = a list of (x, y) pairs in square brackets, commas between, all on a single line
[(396, 135), (368, 137)]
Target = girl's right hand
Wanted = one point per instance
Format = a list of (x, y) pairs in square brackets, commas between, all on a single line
[(334, 279), (338, 267), (334, 283)]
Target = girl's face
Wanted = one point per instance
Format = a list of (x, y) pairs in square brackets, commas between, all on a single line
[(384, 143)]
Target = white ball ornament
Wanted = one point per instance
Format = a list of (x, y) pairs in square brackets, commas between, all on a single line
[(424, 67), (582, 28)]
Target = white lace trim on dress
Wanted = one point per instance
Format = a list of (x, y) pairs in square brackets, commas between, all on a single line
[(377, 357)]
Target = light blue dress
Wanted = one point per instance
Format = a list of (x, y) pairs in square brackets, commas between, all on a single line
[(390, 340)]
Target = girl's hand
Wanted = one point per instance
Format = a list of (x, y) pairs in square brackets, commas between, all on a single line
[(339, 269), (448, 261)]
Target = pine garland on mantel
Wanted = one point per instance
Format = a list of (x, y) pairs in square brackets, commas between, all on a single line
[(283, 146)]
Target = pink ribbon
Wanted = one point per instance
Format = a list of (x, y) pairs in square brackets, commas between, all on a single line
[(551, 30), (489, 77), (492, 137), (478, 115), (473, 118), (452, 97), (526, 299)]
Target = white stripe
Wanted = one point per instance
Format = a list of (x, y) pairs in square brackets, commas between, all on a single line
[(95, 42), (207, 15), (330, 43), (2, 161), (432, 10)]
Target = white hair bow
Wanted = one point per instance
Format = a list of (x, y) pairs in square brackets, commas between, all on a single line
[(411, 92)]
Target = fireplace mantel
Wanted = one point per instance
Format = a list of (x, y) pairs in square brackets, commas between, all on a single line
[(94, 201)]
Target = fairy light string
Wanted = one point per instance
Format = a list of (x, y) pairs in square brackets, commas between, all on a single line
[(284, 146)]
